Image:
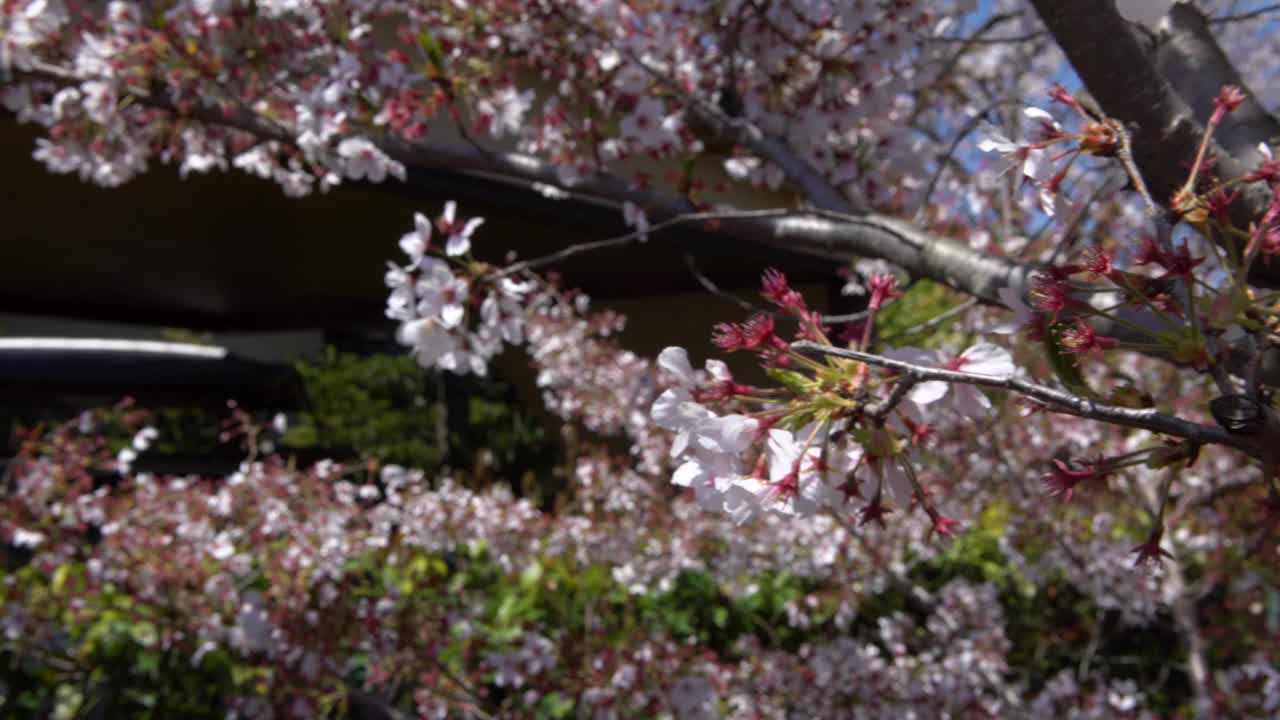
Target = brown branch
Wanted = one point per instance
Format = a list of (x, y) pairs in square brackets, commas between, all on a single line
[(903, 386), (1063, 402)]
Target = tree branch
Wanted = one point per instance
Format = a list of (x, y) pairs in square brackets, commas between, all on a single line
[(709, 285), (1063, 402), (1189, 56), (899, 392), (1097, 41), (838, 234), (1249, 15)]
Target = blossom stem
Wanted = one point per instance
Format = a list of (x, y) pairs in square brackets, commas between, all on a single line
[(808, 362), (910, 472), (1195, 168), (1147, 302), (1125, 323)]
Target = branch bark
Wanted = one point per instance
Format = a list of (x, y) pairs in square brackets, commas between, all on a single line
[(1189, 56), (1129, 85), (1060, 401)]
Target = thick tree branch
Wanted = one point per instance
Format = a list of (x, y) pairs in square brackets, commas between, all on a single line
[(833, 234), (1125, 80), (1188, 55), (840, 234)]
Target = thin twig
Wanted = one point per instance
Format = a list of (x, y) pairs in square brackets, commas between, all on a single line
[(1095, 638), (896, 396), (945, 159), (849, 317), (935, 321), (710, 286), (1250, 15), (636, 236), (1183, 605), (1124, 153), (1077, 220), (854, 316)]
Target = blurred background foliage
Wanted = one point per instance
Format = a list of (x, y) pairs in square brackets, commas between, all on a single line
[(385, 408), (111, 664)]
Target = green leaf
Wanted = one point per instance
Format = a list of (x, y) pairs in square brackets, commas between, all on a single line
[(60, 577), (720, 616), (555, 706), (434, 54), (923, 300), (531, 575), (1064, 364), (792, 379)]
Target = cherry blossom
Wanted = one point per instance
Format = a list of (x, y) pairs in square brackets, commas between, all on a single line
[(982, 358), (457, 233), (1027, 159)]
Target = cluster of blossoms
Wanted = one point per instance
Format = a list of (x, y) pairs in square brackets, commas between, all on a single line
[(1196, 312), (1047, 159), (833, 438), (445, 319), (820, 452), (1196, 291), (335, 89), (456, 313)]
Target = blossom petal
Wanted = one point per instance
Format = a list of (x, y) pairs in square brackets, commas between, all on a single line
[(675, 360), (1034, 113), (457, 245), (928, 392), (988, 359), (687, 474)]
